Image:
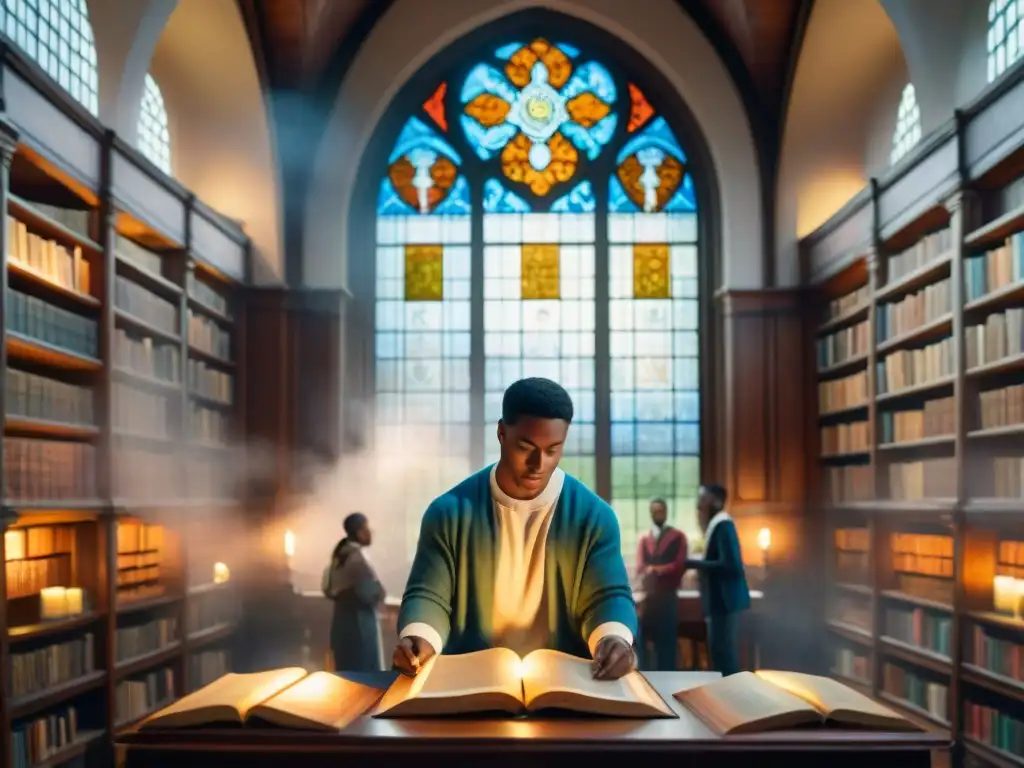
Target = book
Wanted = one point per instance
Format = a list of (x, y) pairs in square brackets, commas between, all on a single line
[(755, 702), (286, 698), (498, 680)]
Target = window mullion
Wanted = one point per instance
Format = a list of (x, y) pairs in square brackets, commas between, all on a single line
[(602, 358), (477, 366)]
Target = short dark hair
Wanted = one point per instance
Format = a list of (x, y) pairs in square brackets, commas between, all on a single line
[(659, 500), (536, 397), (354, 523), (716, 492)]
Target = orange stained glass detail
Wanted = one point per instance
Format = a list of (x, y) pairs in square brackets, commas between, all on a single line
[(488, 109), (515, 163), (670, 176), (442, 172), (640, 110), (539, 278), (522, 61), (587, 110), (434, 106), (424, 273), (650, 271)]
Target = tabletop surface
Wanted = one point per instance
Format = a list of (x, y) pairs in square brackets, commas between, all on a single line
[(686, 731)]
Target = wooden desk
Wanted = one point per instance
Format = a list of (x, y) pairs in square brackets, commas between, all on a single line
[(501, 742)]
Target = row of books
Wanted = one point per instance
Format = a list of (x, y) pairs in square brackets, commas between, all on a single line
[(912, 367), (847, 392), (913, 311), (995, 269), (205, 667), (48, 469), (928, 249), (853, 665), (845, 438), (937, 418), (38, 541), (145, 305), (995, 728), (847, 302), (39, 739), (42, 668), (141, 257), (854, 610), (140, 475), (141, 639), (207, 336), (849, 484), (207, 425), (134, 576), (136, 698), (930, 696), (926, 479), (842, 345), (137, 593), (210, 610), (921, 545), (1011, 553), (937, 588), (35, 318), (927, 629), (56, 262), (997, 654), (852, 559), (999, 337), (134, 537), (142, 412), (38, 397), (210, 383), (146, 356), (207, 295), (213, 478), (1001, 407), (1007, 478)]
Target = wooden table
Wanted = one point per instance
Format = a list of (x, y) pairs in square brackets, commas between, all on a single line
[(501, 742)]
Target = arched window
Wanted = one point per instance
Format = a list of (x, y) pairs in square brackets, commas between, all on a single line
[(58, 35), (537, 217), (1005, 35), (907, 132), (154, 138)]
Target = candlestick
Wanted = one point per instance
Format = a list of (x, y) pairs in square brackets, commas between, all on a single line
[(75, 601), (53, 603)]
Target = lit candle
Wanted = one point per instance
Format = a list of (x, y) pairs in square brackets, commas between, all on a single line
[(53, 603), (764, 539), (75, 601), (220, 573), (289, 544)]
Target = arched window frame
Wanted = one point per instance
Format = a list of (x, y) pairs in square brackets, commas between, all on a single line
[(1005, 35), (907, 132), (153, 132), (452, 65), (61, 42)]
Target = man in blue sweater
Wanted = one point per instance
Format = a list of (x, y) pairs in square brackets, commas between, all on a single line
[(520, 555), (723, 584)]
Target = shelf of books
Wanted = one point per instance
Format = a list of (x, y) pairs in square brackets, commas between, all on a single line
[(119, 409), (920, 385)]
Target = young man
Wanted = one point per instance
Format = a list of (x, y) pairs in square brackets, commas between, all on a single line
[(660, 564), (520, 555), (723, 584)]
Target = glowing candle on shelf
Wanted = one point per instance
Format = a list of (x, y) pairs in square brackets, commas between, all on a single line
[(289, 544), (220, 573), (53, 603), (764, 539), (75, 601), (1008, 595)]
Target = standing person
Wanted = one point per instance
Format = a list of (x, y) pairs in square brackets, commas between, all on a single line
[(352, 584), (521, 555), (724, 594), (660, 564)]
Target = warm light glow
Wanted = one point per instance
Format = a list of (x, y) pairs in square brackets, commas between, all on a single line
[(75, 601), (53, 603), (289, 544), (14, 545), (221, 574), (764, 539), (1008, 595)]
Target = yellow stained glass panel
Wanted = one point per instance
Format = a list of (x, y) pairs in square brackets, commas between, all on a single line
[(522, 61), (515, 162), (587, 110), (539, 278), (424, 273), (650, 271)]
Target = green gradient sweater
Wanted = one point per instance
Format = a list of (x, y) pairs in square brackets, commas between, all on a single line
[(451, 584)]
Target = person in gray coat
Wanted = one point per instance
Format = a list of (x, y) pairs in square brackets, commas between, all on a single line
[(350, 581)]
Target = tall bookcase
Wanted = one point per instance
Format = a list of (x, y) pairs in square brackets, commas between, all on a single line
[(919, 365), (121, 401)]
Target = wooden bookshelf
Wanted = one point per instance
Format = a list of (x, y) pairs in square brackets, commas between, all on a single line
[(121, 402), (919, 473)]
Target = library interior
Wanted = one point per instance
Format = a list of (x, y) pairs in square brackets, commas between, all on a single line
[(772, 248)]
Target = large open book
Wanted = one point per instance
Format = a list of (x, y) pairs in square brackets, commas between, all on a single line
[(288, 698), (498, 680), (754, 702)]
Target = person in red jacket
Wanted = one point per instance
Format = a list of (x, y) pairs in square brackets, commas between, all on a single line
[(660, 564)]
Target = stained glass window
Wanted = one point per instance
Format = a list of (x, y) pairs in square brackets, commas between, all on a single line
[(554, 178), (907, 132), (58, 36), (154, 138), (1005, 35)]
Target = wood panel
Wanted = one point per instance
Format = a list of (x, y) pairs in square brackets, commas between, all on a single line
[(841, 240), (148, 196), (218, 242)]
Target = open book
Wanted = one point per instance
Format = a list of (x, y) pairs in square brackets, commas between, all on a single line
[(754, 702), (498, 680), (287, 698)]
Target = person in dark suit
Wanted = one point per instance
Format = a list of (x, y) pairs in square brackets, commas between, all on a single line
[(350, 581), (660, 563), (724, 594)]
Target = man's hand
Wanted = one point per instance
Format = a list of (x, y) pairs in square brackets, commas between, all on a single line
[(613, 659), (411, 654)]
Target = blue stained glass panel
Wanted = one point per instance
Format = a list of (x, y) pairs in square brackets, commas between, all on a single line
[(580, 199), (498, 199), (569, 50), (416, 134), (506, 51), (656, 134)]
